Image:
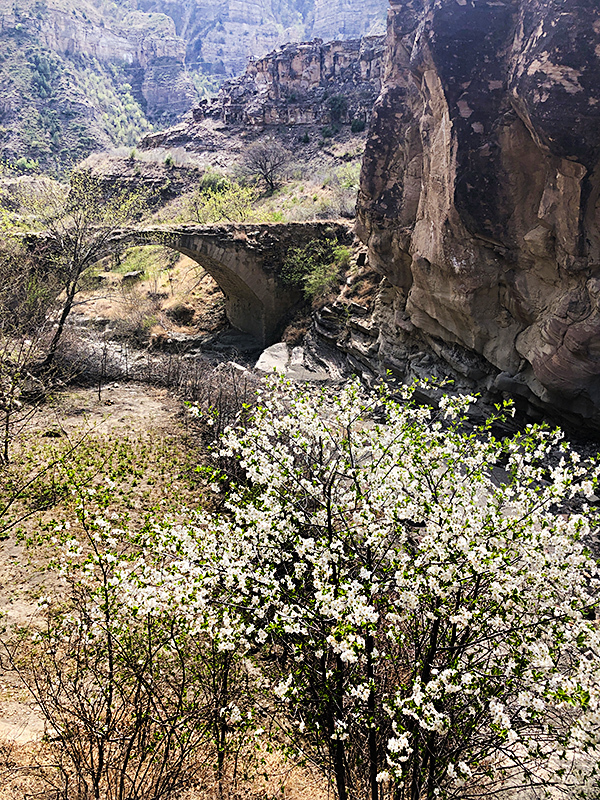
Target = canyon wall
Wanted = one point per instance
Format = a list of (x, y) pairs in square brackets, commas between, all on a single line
[(146, 44), (82, 76), (480, 191), (308, 84), (222, 36), (296, 84)]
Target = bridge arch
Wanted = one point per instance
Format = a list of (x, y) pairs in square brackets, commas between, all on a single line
[(245, 260)]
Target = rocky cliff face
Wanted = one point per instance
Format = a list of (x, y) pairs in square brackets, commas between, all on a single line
[(347, 19), (297, 84), (309, 84), (77, 79), (147, 44), (480, 192), (222, 36)]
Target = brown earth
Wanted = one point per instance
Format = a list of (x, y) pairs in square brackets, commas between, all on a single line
[(123, 410)]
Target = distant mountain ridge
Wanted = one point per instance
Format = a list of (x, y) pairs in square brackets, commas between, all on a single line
[(96, 74)]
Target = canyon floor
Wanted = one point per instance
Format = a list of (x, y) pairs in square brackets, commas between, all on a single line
[(135, 412)]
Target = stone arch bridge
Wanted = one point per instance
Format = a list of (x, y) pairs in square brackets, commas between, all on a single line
[(246, 261)]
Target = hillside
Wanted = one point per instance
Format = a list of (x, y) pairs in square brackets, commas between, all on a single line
[(85, 77)]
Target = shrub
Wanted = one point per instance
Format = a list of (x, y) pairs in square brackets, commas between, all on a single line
[(357, 125), (213, 181), (410, 601), (338, 107), (422, 610), (25, 165), (226, 201), (141, 704), (315, 268)]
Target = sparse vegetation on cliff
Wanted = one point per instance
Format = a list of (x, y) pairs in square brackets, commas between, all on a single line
[(316, 268)]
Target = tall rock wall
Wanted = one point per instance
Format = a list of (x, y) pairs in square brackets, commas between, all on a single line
[(297, 84), (146, 44), (348, 19), (480, 189), (306, 84), (222, 36)]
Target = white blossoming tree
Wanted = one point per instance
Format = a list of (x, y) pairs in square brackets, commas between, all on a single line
[(421, 596), (414, 603)]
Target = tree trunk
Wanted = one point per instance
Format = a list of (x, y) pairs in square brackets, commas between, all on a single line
[(71, 291)]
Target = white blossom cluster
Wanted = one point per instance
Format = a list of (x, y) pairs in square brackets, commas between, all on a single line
[(386, 583)]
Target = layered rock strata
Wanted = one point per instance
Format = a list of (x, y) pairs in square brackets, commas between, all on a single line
[(221, 37), (480, 191), (299, 84), (311, 83)]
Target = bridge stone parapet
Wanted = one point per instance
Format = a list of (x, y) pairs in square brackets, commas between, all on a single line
[(246, 261)]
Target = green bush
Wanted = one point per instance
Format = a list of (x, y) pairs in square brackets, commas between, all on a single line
[(357, 125), (338, 107), (25, 165), (224, 202), (315, 268), (213, 181)]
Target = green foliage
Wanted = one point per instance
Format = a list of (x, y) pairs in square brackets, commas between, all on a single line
[(212, 180), (348, 176), (338, 107), (126, 473), (315, 268), (205, 85), (47, 128), (219, 199), (26, 165), (357, 125), (45, 72)]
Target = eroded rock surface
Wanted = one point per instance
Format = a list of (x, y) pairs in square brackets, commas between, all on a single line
[(310, 83), (222, 36), (480, 190)]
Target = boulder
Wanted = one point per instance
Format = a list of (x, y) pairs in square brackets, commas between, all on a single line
[(274, 358)]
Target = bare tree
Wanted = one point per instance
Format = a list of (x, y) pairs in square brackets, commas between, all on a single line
[(27, 299), (78, 225), (267, 159)]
